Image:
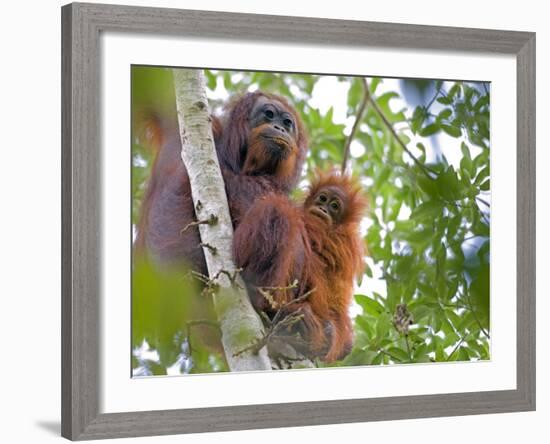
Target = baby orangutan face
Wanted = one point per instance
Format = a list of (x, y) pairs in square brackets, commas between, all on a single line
[(328, 204)]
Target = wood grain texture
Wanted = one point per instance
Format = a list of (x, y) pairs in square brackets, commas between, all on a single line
[(217, 419), (331, 32), (81, 204), (80, 222), (66, 224), (526, 221)]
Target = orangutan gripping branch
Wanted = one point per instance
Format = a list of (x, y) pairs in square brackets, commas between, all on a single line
[(318, 244), (261, 146)]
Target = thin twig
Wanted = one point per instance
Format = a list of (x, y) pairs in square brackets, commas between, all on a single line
[(212, 220), (358, 118), (267, 293), (284, 306), (390, 355), (205, 279), (286, 287), (456, 347), (289, 320), (460, 205), (408, 347), (232, 276), (280, 320), (474, 314), (213, 250), (483, 201), (388, 124), (485, 218), (428, 106), (470, 237)]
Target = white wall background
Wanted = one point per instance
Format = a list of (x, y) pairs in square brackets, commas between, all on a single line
[(30, 220)]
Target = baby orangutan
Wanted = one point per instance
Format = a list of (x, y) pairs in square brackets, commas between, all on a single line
[(318, 245)]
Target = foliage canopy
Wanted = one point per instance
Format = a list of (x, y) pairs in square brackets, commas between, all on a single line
[(421, 148)]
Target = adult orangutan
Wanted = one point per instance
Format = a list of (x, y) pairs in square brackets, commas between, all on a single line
[(261, 146), (318, 244)]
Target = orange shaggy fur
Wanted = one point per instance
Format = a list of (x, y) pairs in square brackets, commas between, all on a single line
[(324, 257)]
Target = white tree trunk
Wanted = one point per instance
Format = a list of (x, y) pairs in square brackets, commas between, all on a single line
[(239, 323)]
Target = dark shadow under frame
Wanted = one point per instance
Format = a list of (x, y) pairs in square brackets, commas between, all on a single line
[(81, 173)]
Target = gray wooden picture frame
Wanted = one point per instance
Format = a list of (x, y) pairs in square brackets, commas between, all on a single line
[(81, 234)]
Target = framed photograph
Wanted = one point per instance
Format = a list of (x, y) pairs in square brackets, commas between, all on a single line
[(341, 210)]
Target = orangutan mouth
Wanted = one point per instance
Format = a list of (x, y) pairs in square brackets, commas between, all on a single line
[(319, 212), (283, 143), (275, 138)]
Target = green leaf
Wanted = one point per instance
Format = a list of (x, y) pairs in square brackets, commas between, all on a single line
[(227, 82), (355, 93), (382, 176), (403, 265), (481, 102), (462, 354), (450, 339), (465, 151), (398, 354), (466, 164), (427, 185), (364, 324), (382, 326), (375, 81), (359, 357), (368, 271), (384, 103), (420, 312), (427, 210), (448, 185), (394, 295), (454, 91), (436, 322), (211, 80), (417, 120), (421, 353), (422, 148), (369, 305), (479, 292), (485, 185), (452, 131), (429, 130), (482, 175), (445, 114)]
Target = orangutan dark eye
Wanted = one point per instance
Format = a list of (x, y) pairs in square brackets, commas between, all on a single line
[(269, 114), (288, 123), (322, 198), (335, 205)]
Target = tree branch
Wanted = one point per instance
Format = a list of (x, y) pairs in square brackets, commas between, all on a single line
[(466, 295), (483, 201), (426, 170), (457, 346), (358, 118), (239, 323)]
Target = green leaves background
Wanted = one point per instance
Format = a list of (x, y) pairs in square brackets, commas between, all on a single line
[(427, 231)]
